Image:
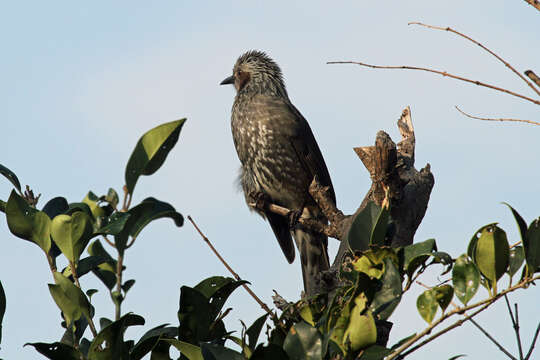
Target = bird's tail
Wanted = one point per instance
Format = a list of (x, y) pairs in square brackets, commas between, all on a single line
[(313, 248)]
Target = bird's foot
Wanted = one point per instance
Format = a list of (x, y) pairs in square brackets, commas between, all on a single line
[(293, 217), (260, 199)]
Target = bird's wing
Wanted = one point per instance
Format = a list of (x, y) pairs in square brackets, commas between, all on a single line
[(295, 127)]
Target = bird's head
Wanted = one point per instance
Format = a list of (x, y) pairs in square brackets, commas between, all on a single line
[(256, 72)]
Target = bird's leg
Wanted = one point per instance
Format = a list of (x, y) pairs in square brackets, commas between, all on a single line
[(294, 215)]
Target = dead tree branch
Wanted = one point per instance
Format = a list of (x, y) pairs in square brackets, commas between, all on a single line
[(533, 77), (534, 3)]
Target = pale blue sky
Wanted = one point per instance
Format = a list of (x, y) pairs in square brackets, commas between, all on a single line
[(81, 83)]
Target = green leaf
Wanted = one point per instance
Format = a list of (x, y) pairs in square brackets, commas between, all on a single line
[(105, 271), (92, 201), (56, 351), (72, 233), (415, 255), (195, 316), (402, 341), (465, 277), (457, 357), (115, 225), (374, 352), (378, 232), (517, 256), (190, 351), (127, 285), (444, 295), (84, 266), (303, 342), (246, 351), (363, 224), (270, 352), (361, 331), (522, 225), (427, 305), (111, 198), (109, 343), (532, 247), (150, 339), (471, 249), (2, 308), (3, 205), (10, 175), (252, 332), (69, 298), (148, 210), (151, 151), (492, 253), (218, 352), (387, 298), (80, 206)]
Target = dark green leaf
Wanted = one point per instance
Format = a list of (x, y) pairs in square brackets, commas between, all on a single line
[(148, 210), (517, 256), (3, 205), (492, 253), (116, 224), (109, 343), (127, 285), (218, 352), (303, 342), (465, 277), (74, 207), (85, 266), (106, 271), (427, 305), (388, 296), (2, 308), (471, 249), (10, 175), (532, 247), (56, 351), (55, 206), (150, 339), (374, 352), (72, 233), (270, 352), (364, 222), (378, 232), (151, 151), (402, 341), (253, 331), (217, 290), (522, 225), (195, 316), (444, 295), (91, 292), (457, 357), (413, 256), (190, 351)]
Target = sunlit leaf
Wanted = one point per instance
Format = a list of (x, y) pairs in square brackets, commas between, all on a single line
[(190, 351), (361, 331), (492, 253), (465, 277), (72, 233), (427, 305), (151, 151)]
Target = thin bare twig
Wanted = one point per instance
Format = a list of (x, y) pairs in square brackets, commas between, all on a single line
[(234, 274), (443, 73), (533, 77), (535, 337), (483, 47), (499, 119)]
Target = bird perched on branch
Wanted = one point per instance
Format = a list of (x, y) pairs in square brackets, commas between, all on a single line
[(279, 157)]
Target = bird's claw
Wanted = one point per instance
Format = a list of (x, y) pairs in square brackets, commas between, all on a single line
[(293, 217), (259, 199)]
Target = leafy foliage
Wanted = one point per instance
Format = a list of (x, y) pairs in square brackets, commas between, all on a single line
[(342, 324)]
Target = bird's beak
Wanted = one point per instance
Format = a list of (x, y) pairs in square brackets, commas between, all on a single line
[(229, 80)]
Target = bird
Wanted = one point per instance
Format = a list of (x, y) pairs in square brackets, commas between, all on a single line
[(279, 159)]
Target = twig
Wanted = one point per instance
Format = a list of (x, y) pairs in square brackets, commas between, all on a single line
[(516, 244), (483, 47), (478, 327), (535, 337), (499, 119), (119, 270), (518, 337), (234, 274), (74, 273), (533, 77), (127, 200), (443, 73), (534, 3), (108, 241), (482, 304)]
